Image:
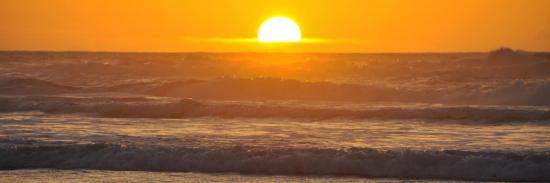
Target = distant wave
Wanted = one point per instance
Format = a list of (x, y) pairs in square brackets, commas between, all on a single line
[(22, 86), (446, 164), (517, 92), (143, 107), (30, 86)]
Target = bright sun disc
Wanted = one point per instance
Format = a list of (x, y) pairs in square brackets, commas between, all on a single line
[(279, 29)]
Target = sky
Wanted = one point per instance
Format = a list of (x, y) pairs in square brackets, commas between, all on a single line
[(232, 25)]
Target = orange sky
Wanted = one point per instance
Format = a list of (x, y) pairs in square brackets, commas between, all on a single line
[(218, 25)]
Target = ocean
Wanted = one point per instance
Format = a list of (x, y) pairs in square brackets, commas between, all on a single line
[(274, 117)]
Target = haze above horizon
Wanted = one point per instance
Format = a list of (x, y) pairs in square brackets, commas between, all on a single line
[(232, 25)]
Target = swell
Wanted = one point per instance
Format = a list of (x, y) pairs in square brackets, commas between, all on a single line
[(143, 107), (23, 86), (446, 164), (515, 92), (30, 86)]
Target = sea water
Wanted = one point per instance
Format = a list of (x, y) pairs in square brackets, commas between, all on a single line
[(143, 117)]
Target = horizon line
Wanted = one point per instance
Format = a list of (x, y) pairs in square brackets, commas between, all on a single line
[(265, 52)]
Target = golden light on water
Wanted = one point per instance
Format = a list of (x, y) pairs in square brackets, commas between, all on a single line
[(279, 29)]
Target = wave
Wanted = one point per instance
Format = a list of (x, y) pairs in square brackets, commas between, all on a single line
[(146, 107), (30, 86), (515, 92), (518, 92), (444, 164), (23, 86)]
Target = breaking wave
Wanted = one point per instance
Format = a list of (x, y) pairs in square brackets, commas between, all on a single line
[(145, 107), (444, 164)]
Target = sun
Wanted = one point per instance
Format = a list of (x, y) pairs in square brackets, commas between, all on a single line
[(279, 29)]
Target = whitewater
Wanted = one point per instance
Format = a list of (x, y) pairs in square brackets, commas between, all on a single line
[(252, 117)]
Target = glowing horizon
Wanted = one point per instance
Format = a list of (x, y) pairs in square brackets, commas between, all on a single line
[(326, 26)]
